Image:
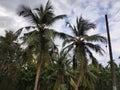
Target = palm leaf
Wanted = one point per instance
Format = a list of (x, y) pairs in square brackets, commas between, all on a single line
[(95, 47), (17, 33), (94, 60), (27, 12), (48, 6), (73, 28), (84, 25), (95, 38), (61, 35), (72, 82), (28, 37), (69, 47), (55, 19), (66, 41)]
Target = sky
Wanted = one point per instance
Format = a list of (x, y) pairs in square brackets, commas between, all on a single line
[(92, 10)]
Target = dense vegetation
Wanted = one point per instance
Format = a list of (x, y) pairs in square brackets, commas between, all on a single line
[(33, 61)]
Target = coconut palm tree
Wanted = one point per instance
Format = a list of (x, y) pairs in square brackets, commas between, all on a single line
[(10, 58), (89, 79), (63, 71), (39, 41), (82, 44), (59, 75), (10, 51)]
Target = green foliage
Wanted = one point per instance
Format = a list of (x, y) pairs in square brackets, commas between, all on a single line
[(26, 76), (59, 70), (10, 59)]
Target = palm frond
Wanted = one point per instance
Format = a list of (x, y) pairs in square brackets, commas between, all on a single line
[(28, 13), (51, 21), (73, 28), (27, 54), (67, 41), (46, 14), (69, 47), (26, 28), (28, 37), (95, 47), (17, 33), (61, 35), (84, 25), (94, 60), (40, 11), (72, 82), (48, 6), (95, 38), (24, 11)]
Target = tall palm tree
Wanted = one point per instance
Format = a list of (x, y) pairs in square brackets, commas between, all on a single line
[(40, 40), (10, 51), (82, 44), (58, 75), (89, 79), (63, 71), (10, 58)]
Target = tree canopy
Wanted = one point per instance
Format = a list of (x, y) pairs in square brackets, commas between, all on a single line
[(41, 65)]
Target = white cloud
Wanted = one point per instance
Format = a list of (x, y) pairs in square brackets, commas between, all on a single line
[(2, 31), (2, 11), (115, 32), (91, 10)]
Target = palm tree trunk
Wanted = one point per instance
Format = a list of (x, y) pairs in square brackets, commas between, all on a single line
[(78, 82), (37, 76), (38, 73), (79, 77), (83, 66), (74, 63)]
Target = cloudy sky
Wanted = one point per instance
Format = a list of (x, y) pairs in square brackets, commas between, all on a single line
[(93, 10)]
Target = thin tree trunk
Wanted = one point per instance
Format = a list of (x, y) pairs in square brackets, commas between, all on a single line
[(78, 82), (37, 76), (83, 66), (74, 63), (38, 72), (79, 77)]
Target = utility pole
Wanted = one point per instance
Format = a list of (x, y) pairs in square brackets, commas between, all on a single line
[(111, 56)]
